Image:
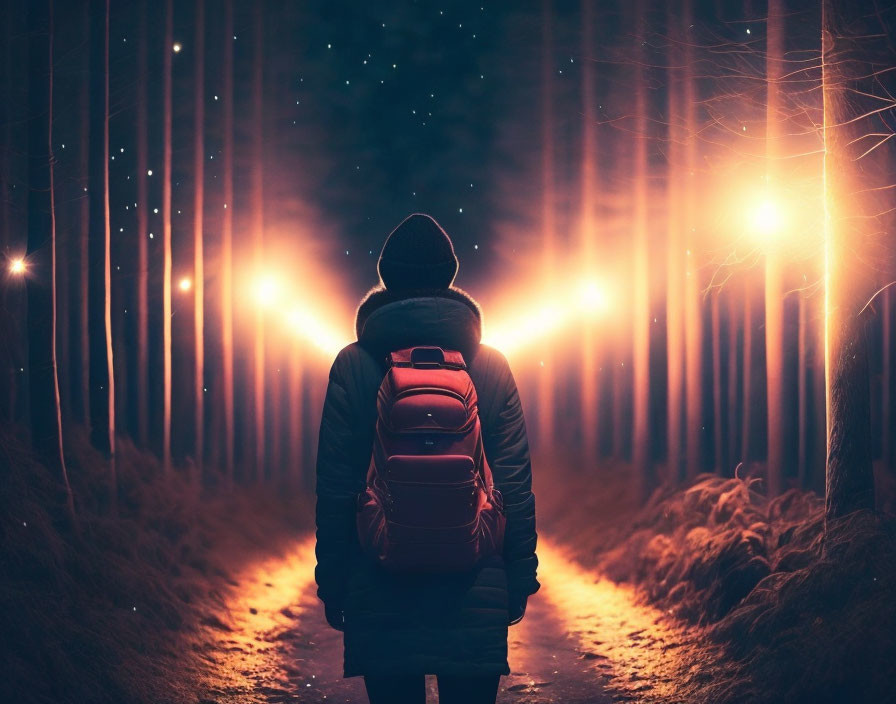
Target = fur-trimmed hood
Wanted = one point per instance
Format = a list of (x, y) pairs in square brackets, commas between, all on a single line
[(447, 317)]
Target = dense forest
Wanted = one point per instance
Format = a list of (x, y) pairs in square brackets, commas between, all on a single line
[(678, 217)]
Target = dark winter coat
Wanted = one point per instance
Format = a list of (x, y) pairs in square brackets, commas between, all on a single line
[(413, 624)]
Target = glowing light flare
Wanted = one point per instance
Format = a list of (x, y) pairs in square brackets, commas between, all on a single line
[(593, 297), (528, 328), (585, 301), (580, 302), (185, 284), (767, 218), (312, 328), (18, 266), (177, 47), (266, 290)]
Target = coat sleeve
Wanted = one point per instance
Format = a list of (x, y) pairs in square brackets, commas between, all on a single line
[(507, 451), (339, 480)]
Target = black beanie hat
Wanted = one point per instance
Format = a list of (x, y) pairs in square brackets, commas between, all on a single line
[(417, 254)]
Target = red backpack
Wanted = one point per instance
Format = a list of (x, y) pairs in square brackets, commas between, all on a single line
[(430, 504)]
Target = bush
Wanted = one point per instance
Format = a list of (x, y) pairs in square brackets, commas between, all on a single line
[(97, 614)]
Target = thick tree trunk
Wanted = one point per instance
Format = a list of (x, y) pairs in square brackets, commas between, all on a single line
[(257, 186), (641, 278), (774, 275), (167, 52), (227, 249), (46, 412), (848, 67), (198, 253)]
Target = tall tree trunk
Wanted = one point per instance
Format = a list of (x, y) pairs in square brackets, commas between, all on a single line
[(818, 390), (888, 426), (693, 308), (142, 233), (674, 259), (853, 199), (734, 408), (46, 411), (296, 422), (588, 390), (641, 278), (198, 255), (546, 378), (84, 360), (718, 409), (107, 267), (276, 418), (6, 119), (802, 394), (746, 428), (774, 277), (102, 370), (258, 236), (167, 53), (227, 248), (62, 280)]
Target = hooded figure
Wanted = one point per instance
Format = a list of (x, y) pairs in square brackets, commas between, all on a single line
[(399, 627)]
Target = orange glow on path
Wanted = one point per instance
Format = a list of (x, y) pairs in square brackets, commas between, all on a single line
[(641, 653), (583, 640), (272, 642)]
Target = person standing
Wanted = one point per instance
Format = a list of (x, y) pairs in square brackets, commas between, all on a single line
[(399, 624)]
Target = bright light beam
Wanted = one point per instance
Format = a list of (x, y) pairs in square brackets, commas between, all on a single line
[(587, 300), (307, 325), (17, 266), (266, 290), (592, 297), (768, 218), (526, 328)]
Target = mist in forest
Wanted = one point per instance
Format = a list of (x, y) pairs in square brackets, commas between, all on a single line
[(677, 218)]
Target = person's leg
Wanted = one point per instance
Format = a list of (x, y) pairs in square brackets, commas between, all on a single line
[(482, 689), (396, 690)]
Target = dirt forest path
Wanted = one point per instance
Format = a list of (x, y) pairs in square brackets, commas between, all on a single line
[(584, 639)]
